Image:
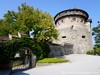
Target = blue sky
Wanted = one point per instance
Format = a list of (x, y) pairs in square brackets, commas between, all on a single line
[(55, 6)]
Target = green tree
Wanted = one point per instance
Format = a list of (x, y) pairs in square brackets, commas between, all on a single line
[(26, 19), (3, 28), (96, 33)]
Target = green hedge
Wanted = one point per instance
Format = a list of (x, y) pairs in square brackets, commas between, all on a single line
[(52, 60), (90, 52), (9, 49), (97, 50)]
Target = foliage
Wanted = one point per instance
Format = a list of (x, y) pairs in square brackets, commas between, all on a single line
[(52, 60), (90, 52), (14, 46), (46, 49), (97, 50), (26, 19), (96, 34), (3, 28)]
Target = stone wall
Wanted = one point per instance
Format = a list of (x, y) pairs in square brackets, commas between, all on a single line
[(60, 50), (77, 35)]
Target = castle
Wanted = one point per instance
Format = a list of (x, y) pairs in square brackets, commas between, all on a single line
[(74, 27)]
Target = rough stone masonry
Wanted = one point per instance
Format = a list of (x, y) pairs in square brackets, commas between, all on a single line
[(74, 27)]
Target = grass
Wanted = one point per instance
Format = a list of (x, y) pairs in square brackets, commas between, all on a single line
[(52, 60)]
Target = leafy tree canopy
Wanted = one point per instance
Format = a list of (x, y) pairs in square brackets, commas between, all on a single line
[(26, 19), (3, 28), (96, 33)]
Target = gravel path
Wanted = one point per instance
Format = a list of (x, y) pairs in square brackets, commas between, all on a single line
[(80, 64)]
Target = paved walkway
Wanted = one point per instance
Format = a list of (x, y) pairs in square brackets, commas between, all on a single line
[(80, 64), (5, 72)]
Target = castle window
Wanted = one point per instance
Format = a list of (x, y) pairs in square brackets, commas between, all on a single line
[(83, 36), (73, 18), (72, 27), (62, 20), (63, 36), (82, 21)]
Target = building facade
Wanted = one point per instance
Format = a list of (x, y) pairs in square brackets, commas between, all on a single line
[(74, 27)]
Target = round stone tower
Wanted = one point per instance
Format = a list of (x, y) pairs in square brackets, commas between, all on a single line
[(74, 29)]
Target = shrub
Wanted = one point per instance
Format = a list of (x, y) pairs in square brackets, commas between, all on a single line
[(9, 49), (90, 52), (41, 50), (97, 50), (52, 60)]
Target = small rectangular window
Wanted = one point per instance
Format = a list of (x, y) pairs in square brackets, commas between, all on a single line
[(63, 36), (83, 36)]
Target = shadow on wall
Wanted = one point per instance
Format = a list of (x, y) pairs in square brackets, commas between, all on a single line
[(68, 48), (60, 50)]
